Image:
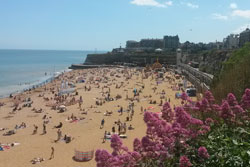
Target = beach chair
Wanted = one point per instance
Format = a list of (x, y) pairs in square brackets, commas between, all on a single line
[(83, 156)]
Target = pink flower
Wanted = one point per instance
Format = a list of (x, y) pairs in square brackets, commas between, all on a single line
[(116, 142), (137, 145), (101, 157), (216, 107), (205, 106), (205, 128), (245, 101), (184, 161), (209, 121), (209, 96), (226, 112), (167, 113), (202, 152), (237, 109), (231, 99), (184, 96), (182, 117), (136, 155)]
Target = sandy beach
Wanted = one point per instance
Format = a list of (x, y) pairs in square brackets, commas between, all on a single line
[(102, 91)]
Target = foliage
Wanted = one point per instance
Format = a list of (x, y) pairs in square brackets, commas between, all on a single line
[(201, 134), (235, 74)]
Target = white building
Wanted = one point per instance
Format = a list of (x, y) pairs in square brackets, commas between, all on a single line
[(231, 41)]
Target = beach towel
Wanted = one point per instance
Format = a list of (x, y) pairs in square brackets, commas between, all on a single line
[(83, 156), (6, 147), (123, 136), (150, 108)]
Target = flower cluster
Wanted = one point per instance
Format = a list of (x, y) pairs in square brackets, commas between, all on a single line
[(202, 152), (171, 137), (184, 161), (245, 102), (120, 156), (167, 113)]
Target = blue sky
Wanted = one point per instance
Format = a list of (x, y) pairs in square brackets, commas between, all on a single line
[(104, 24)]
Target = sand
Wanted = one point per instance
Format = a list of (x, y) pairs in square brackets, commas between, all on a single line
[(86, 133)]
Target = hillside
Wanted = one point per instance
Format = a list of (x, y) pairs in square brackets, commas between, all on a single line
[(235, 74)]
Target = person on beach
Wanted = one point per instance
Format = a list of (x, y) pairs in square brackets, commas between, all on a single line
[(130, 127), (124, 128), (44, 117), (35, 129), (44, 128), (104, 138), (121, 110), (113, 129), (80, 102), (59, 135), (52, 153), (119, 129), (102, 123)]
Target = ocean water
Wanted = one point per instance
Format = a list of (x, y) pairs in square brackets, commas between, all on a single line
[(22, 69)]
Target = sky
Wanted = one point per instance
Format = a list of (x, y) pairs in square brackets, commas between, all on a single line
[(106, 24)]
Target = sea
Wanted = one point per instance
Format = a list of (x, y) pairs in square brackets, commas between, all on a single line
[(23, 69)]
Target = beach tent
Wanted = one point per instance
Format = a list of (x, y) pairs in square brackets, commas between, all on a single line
[(83, 156), (66, 91)]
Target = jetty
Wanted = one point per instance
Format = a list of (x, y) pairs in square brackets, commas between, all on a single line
[(84, 66)]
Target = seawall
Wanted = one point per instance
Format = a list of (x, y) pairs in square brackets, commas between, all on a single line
[(137, 58)]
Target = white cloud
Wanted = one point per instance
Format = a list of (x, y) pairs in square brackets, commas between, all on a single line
[(242, 13), (218, 16), (192, 5), (233, 6), (169, 3), (147, 3), (240, 29)]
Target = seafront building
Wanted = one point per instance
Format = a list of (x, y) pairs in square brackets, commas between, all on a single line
[(132, 44), (231, 41), (244, 37), (171, 42), (151, 43)]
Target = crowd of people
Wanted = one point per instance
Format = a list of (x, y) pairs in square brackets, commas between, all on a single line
[(126, 88)]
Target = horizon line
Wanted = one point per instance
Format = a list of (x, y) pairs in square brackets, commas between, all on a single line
[(56, 49)]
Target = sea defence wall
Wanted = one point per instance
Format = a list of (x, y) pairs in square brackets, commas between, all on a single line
[(140, 59)]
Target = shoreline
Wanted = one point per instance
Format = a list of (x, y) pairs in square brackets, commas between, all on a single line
[(34, 85)]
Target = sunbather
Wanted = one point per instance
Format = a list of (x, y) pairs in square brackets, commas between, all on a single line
[(11, 132), (59, 126), (37, 160)]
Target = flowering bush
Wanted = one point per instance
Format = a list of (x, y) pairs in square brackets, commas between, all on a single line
[(196, 134)]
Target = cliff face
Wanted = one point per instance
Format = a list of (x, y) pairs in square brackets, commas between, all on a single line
[(211, 61), (138, 58)]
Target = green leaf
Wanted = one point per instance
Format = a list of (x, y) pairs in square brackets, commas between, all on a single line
[(248, 152), (235, 142)]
